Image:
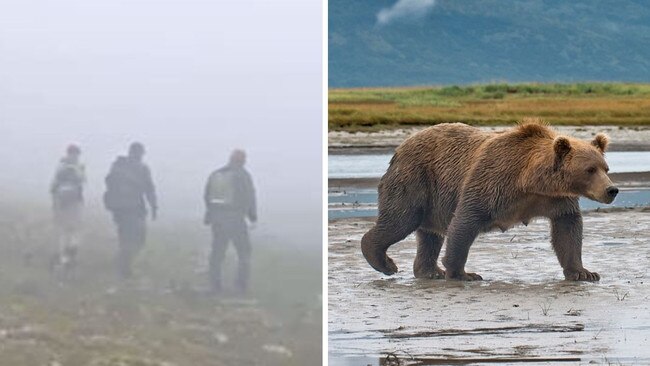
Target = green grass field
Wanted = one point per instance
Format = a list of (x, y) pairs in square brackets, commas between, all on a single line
[(491, 104), (164, 316)]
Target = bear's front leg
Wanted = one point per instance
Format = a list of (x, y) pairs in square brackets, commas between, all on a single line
[(461, 233), (566, 237)]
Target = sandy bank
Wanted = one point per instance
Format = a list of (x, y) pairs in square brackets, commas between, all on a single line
[(341, 142)]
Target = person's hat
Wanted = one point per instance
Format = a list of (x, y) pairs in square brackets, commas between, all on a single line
[(136, 148), (73, 149), (238, 156)]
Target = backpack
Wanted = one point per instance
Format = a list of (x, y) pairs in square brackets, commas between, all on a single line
[(68, 191), (112, 197), (122, 188), (221, 188)]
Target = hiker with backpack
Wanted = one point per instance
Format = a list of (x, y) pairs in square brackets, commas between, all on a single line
[(67, 204), (128, 185), (230, 199)]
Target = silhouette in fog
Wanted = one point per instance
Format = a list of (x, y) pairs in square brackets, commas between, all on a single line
[(67, 203), (128, 184), (230, 199)]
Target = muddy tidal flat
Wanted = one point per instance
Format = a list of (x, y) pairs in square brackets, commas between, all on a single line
[(524, 310)]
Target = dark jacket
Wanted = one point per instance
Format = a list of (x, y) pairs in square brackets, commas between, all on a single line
[(235, 197), (128, 183)]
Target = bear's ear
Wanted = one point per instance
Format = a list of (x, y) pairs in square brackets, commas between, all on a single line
[(561, 146), (600, 142)]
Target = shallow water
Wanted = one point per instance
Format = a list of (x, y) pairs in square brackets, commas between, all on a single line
[(523, 310), (371, 166)]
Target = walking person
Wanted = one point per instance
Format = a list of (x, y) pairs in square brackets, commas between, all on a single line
[(128, 185), (66, 190), (230, 199)]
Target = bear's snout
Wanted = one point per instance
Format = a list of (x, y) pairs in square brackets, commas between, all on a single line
[(612, 192)]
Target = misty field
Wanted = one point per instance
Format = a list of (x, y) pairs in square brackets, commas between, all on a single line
[(492, 104), (164, 316)]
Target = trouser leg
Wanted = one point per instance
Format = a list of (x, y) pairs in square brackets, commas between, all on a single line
[(243, 247), (123, 252), (131, 232), (63, 242), (69, 249), (219, 245)]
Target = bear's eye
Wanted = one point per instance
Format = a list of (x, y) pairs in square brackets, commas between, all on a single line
[(591, 170)]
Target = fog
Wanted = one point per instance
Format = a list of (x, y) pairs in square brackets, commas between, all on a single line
[(190, 79)]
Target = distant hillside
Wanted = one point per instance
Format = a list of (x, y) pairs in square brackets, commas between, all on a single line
[(461, 42)]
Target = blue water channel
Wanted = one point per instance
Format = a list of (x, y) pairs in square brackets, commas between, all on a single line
[(362, 202), (370, 166)]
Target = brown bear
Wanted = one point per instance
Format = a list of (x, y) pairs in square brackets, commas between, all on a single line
[(457, 181)]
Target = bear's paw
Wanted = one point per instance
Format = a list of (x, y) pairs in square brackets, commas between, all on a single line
[(581, 275)]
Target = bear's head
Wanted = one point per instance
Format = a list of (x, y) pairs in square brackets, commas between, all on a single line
[(583, 169)]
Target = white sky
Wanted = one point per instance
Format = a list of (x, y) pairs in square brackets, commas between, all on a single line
[(190, 79)]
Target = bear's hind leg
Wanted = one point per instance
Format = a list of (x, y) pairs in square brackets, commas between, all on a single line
[(385, 233), (426, 260), (461, 233)]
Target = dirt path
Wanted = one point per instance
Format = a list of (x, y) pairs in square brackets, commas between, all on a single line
[(522, 311)]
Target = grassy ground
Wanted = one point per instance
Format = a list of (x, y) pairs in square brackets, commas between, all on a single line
[(164, 316), (492, 104)]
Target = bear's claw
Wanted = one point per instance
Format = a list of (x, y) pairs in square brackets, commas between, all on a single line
[(389, 266), (378, 259), (437, 273), (465, 276), (581, 275), (384, 265)]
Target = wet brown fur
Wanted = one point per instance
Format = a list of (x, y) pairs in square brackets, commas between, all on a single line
[(456, 181)]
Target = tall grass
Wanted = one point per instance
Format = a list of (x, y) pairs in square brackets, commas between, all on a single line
[(490, 104)]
